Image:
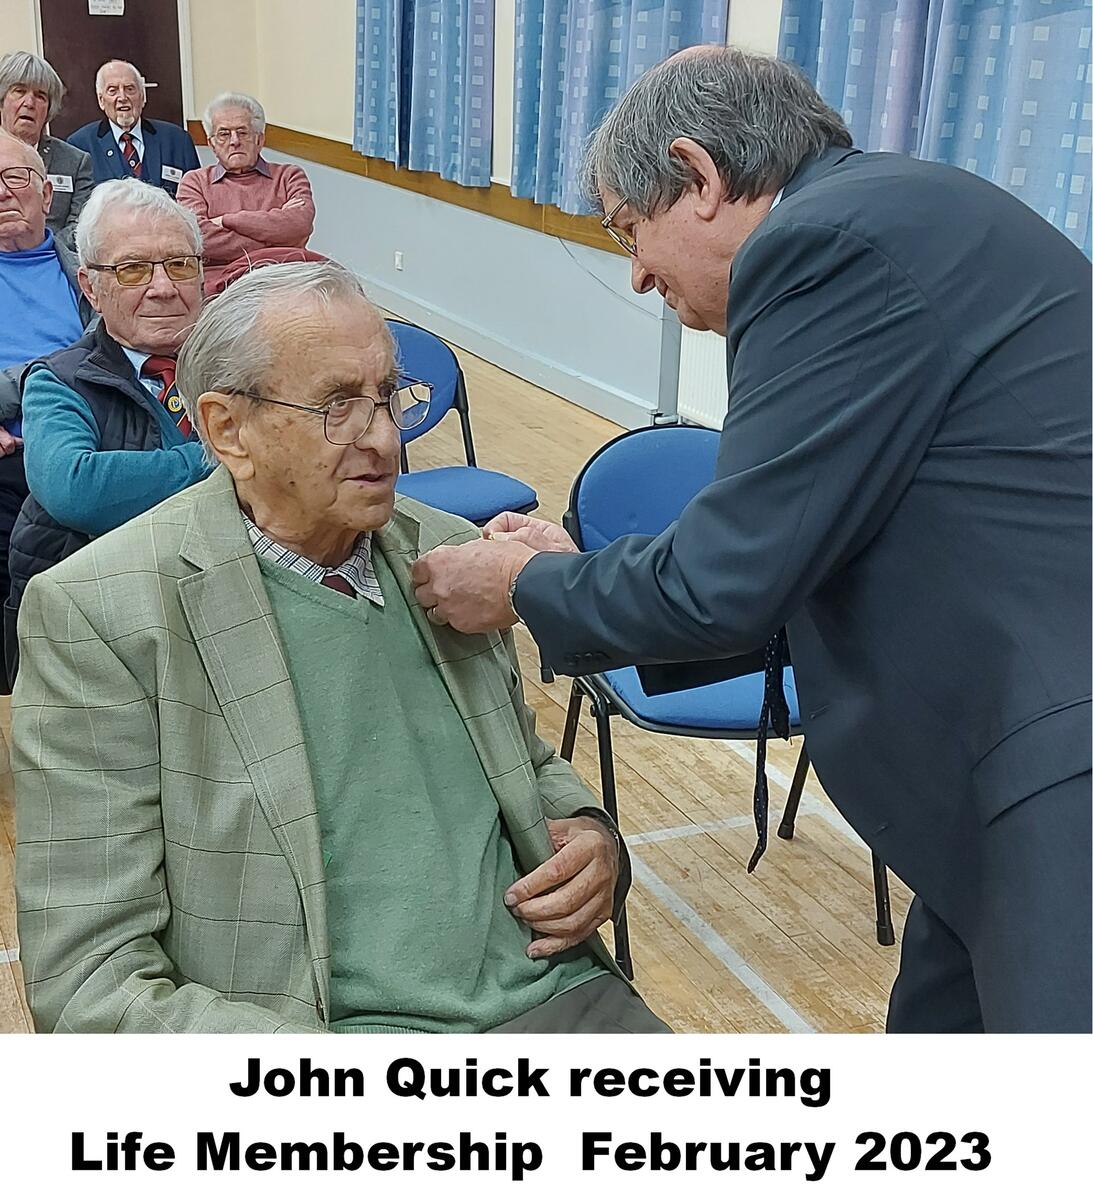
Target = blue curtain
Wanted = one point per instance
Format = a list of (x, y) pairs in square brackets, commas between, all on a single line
[(998, 87), (574, 59), (425, 86)]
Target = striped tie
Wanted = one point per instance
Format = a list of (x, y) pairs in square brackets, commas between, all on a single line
[(163, 368), (129, 149)]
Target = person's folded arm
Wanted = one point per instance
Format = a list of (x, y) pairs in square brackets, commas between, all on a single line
[(841, 377), (290, 225), (81, 486), (220, 244), (90, 881)]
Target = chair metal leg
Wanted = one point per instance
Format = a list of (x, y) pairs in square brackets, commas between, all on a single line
[(793, 800), (572, 717), (886, 935), (602, 712)]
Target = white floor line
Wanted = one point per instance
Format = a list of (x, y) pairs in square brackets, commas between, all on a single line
[(716, 944), (685, 831), (7, 956)]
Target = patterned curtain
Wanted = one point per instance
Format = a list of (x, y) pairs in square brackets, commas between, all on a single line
[(998, 87), (425, 86), (574, 59)]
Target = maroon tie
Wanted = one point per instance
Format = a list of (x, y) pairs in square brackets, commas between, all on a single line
[(159, 366), (129, 149), (339, 583)]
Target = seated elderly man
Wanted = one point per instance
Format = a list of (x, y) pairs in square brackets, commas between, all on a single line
[(256, 790), (125, 144), (41, 309), (113, 390), (250, 211), (31, 92)]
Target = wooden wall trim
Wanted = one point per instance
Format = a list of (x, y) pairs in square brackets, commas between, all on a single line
[(494, 201)]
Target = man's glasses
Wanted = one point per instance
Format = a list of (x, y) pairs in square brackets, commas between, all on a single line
[(17, 178), (138, 273), (619, 236), (347, 420), (223, 136)]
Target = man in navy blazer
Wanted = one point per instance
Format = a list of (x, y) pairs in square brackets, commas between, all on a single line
[(124, 143), (903, 483)]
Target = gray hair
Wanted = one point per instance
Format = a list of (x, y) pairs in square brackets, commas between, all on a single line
[(22, 67), (758, 118), (126, 195), (232, 346), (30, 153), (234, 100), (119, 62)]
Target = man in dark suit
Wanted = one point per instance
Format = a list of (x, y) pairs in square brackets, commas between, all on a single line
[(123, 144), (903, 483)]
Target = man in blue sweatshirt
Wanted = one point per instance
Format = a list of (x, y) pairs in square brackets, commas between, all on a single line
[(41, 309), (106, 436)]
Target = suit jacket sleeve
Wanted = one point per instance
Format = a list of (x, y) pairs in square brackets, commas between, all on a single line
[(219, 245), (82, 184), (90, 884), (190, 161), (841, 376), (561, 791), (281, 226)]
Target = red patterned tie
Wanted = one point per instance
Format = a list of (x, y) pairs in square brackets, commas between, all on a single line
[(339, 583), (161, 367), (129, 149)]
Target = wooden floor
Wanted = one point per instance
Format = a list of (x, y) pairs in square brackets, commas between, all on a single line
[(791, 947)]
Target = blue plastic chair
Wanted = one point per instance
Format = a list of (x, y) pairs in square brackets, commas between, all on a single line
[(468, 491), (640, 483)]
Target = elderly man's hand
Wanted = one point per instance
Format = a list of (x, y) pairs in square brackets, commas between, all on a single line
[(9, 444), (468, 586), (570, 896), (531, 531)]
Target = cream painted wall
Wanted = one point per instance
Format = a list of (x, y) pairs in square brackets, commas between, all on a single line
[(298, 59), (753, 25), (223, 50), (18, 25), (306, 65)]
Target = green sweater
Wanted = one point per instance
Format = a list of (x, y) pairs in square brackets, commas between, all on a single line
[(417, 859)]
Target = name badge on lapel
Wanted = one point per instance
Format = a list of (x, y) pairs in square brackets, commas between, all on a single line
[(171, 174), (61, 183)]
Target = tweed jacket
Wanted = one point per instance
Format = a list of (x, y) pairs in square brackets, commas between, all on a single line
[(169, 869), (69, 170)]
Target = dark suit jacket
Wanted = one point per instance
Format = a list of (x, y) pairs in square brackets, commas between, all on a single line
[(904, 481), (69, 170), (165, 145)]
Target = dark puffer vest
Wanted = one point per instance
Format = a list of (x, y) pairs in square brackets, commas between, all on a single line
[(97, 369)]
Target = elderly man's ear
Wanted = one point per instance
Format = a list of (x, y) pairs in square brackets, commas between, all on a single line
[(83, 275), (221, 417)]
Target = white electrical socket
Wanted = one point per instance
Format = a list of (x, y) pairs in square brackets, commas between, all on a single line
[(398, 260)]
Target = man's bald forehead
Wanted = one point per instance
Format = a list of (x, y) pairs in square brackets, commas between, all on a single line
[(14, 152)]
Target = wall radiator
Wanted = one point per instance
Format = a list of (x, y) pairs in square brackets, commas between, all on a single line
[(703, 393)]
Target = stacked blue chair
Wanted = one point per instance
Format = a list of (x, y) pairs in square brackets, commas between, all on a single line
[(639, 484), (468, 490)]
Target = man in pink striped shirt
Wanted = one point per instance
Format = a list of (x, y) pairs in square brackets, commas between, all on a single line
[(250, 211)]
